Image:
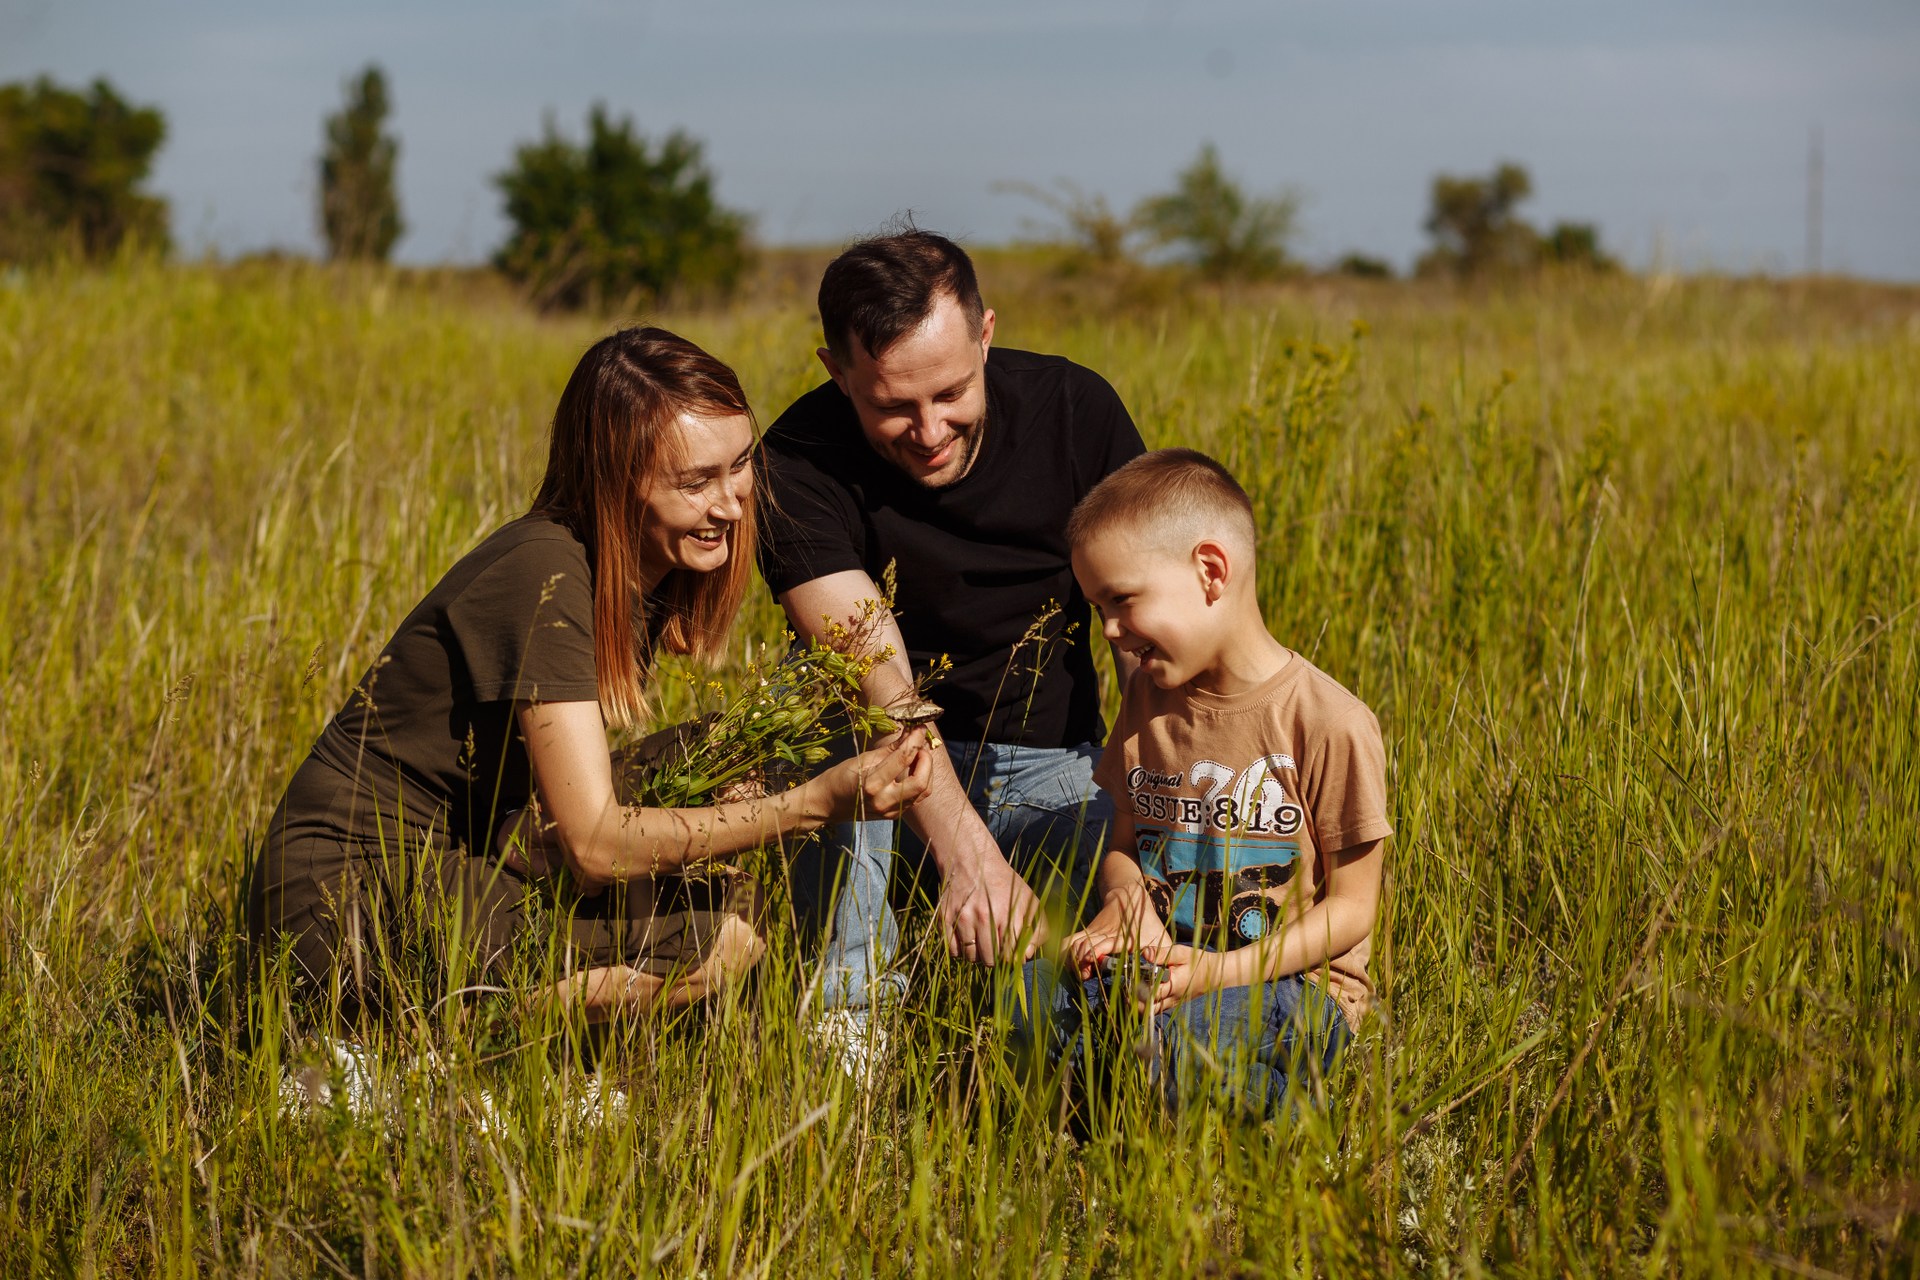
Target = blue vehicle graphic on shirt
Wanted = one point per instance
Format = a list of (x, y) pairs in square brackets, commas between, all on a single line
[(1214, 888)]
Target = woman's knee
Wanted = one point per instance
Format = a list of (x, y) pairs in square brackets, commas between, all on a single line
[(737, 948)]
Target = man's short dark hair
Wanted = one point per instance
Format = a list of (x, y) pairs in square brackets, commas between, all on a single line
[(883, 288)]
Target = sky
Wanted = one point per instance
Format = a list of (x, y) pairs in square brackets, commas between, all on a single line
[(1680, 127)]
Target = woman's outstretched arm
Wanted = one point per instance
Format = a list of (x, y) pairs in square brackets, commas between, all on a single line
[(603, 841)]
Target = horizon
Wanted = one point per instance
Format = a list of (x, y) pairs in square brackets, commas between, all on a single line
[(1683, 136)]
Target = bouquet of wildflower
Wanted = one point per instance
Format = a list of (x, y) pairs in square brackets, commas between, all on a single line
[(767, 736), (781, 724)]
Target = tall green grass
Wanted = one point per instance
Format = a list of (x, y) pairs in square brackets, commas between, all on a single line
[(1629, 569)]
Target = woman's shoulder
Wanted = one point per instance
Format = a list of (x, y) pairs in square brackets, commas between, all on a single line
[(533, 543), (535, 530), (531, 556)]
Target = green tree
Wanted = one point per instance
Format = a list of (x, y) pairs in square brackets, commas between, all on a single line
[(1220, 229), (359, 209), (616, 218), (71, 165), (1474, 227)]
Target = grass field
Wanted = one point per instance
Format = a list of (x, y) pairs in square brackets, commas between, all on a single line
[(1629, 569)]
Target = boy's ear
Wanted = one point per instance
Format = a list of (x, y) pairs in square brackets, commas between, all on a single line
[(1215, 569)]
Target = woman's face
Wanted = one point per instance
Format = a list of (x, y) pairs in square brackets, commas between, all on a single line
[(698, 496)]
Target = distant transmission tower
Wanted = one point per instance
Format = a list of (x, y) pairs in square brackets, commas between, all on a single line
[(1816, 194)]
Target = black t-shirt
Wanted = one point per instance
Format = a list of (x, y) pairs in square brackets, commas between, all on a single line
[(428, 735), (980, 560)]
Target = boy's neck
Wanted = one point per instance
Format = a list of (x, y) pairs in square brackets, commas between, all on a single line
[(1248, 657)]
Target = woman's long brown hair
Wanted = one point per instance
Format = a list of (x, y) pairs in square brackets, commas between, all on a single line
[(610, 442)]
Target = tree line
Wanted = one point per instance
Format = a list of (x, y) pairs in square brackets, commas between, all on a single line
[(615, 216)]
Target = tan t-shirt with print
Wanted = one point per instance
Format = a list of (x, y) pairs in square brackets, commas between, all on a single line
[(1232, 805)]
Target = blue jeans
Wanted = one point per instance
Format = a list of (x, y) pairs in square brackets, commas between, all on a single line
[(1039, 803), (1238, 1048)]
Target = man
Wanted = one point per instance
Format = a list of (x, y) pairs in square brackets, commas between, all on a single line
[(958, 463)]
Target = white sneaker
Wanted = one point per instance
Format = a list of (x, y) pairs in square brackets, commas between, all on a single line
[(310, 1088), (589, 1104), (595, 1102), (853, 1041)]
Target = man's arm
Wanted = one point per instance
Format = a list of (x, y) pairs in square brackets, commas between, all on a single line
[(985, 906)]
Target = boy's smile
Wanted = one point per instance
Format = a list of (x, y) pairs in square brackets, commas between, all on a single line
[(1189, 618), (1153, 604)]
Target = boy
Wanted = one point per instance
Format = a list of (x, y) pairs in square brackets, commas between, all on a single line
[(1249, 788)]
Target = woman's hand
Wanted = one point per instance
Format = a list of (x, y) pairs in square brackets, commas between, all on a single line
[(1190, 973), (880, 783)]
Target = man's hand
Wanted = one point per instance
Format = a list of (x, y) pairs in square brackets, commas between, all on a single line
[(986, 909)]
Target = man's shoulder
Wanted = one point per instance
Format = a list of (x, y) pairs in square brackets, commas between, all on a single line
[(822, 416), (1038, 368), (1014, 360), (1058, 400)]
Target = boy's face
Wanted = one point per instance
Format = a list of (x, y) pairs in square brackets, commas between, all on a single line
[(1153, 604)]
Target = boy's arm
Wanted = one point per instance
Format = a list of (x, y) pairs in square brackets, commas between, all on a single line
[(1328, 928)]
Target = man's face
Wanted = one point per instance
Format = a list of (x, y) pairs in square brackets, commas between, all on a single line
[(922, 403)]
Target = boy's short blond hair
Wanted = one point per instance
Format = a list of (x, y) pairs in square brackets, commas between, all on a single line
[(1175, 496)]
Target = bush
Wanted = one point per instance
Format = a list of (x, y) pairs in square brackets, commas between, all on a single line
[(1577, 244), (1088, 233), (1477, 231), (614, 220), (71, 165), (1364, 267)]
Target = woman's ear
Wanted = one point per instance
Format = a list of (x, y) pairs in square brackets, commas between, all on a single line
[(1214, 567)]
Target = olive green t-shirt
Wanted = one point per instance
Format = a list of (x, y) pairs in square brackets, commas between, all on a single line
[(1234, 804), (428, 735)]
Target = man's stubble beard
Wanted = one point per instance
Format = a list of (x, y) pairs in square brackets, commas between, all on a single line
[(975, 438)]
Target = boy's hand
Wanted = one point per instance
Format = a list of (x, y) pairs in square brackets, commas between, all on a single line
[(1126, 923), (1086, 949), (1190, 973)]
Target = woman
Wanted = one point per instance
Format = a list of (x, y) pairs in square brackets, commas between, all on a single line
[(498, 689)]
